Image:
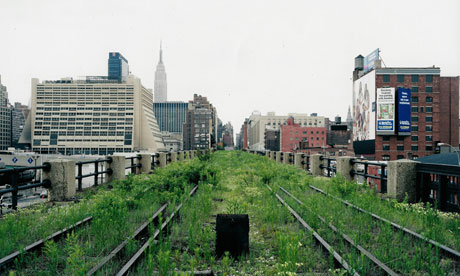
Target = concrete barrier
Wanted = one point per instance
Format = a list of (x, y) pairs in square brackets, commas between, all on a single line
[(62, 177), (402, 176), (146, 163), (162, 159), (298, 160), (344, 167), (315, 162), (173, 157), (278, 157), (117, 166)]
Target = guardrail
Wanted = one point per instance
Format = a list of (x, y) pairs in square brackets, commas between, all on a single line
[(80, 176), (382, 176), (14, 173), (330, 167), (134, 165)]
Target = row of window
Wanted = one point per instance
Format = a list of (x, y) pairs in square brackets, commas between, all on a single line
[(414, 78), (428, 119), (427, 109), (427, 99), (305, 138), (413, 148), (83, 108), (305, 132)]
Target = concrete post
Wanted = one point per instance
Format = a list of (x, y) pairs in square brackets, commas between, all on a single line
[(173, 157), (298, 158), (278, 157), (146, 162), (162, 159), (286, 158), (402, 177), (315, 163), (267, 153), (180, 156), (62, 176), (273, 155), (117, 166), (344, 167)]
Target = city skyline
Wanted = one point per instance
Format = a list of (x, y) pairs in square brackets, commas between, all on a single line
[(266, 57)]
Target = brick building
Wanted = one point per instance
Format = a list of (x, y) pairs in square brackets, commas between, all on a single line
[(297, 138), (434, 110)]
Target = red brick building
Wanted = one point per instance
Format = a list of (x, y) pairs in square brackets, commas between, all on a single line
[(296, 138), (434, 111)]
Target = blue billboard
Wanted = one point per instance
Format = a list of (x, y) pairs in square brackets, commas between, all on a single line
[(369, 60), (404, 122)]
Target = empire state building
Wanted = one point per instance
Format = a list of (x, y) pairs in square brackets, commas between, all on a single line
[(160, 89)]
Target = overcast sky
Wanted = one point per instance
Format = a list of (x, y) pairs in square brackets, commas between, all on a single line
[(282, 56)]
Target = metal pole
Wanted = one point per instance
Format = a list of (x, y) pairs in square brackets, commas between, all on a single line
[(79, 175), (96, 172)]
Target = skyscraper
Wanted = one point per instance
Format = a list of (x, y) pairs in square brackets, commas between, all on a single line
[(170, 116), (118, 67), (5, 118), (161, 88)]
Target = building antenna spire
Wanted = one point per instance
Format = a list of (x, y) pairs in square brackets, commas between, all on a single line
[(161, 51)]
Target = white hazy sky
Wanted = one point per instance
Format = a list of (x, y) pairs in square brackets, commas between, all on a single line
[(282, 56)]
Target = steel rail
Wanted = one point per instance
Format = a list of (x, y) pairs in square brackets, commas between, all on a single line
[(445, 250), (35, 246), (137, 256), (339, 261), (350, 241)]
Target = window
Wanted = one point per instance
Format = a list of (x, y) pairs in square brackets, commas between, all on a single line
[(401, 138), (429, 119), (429, 148), (414, 148), (414, 109), (414, 138), (400, 78), (386, 138), (414, 99), (400, 156), (428, 128), (386, 147), (429, 99), (385, 157), (429, 89), (414, 119), (414, 78), (429, 78), (429, 138), (386, 78), (400, 147), (429, 109), (421, 109)]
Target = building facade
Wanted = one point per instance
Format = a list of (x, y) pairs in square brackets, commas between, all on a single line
[(295, 138), (272, 140), (170, 115), (431, 119), (5, 118), (118, 68), (19, 115), (92, 115), (200, 127), (258, 123), (161, 86)]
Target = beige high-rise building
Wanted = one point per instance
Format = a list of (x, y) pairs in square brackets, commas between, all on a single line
[(257, 124), (91, 115)]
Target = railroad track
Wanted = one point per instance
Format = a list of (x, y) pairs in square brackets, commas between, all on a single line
[(9, 260), (443, 249), (142, 235), (339, 261)]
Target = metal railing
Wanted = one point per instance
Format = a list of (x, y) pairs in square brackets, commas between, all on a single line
[(155, 161), (330, 167), (134, 165), (15, 182), (439, 185), (381, 177), (80, 176)]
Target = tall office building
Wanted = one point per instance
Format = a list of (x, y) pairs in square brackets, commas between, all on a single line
[(161, 88), (170, 116), (92, 115), (19, 114), (118, 68), (5, 118)]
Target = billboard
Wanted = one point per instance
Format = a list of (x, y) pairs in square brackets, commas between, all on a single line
[(404, 121), (370, 59), (385, 111), (364, 108)]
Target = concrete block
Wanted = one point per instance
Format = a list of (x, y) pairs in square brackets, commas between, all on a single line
[(267, 153), (173, 157), (402, 179), (278, 156), (62, 176), (118, 167), (146, 162), (315, 162), (286, 157), (344, 167), (180, 156), (298, 158), (162, 159)]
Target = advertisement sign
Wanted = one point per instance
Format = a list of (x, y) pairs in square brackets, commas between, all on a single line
[(385, 111), (404, 122), (364, 108), (370, 59)]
